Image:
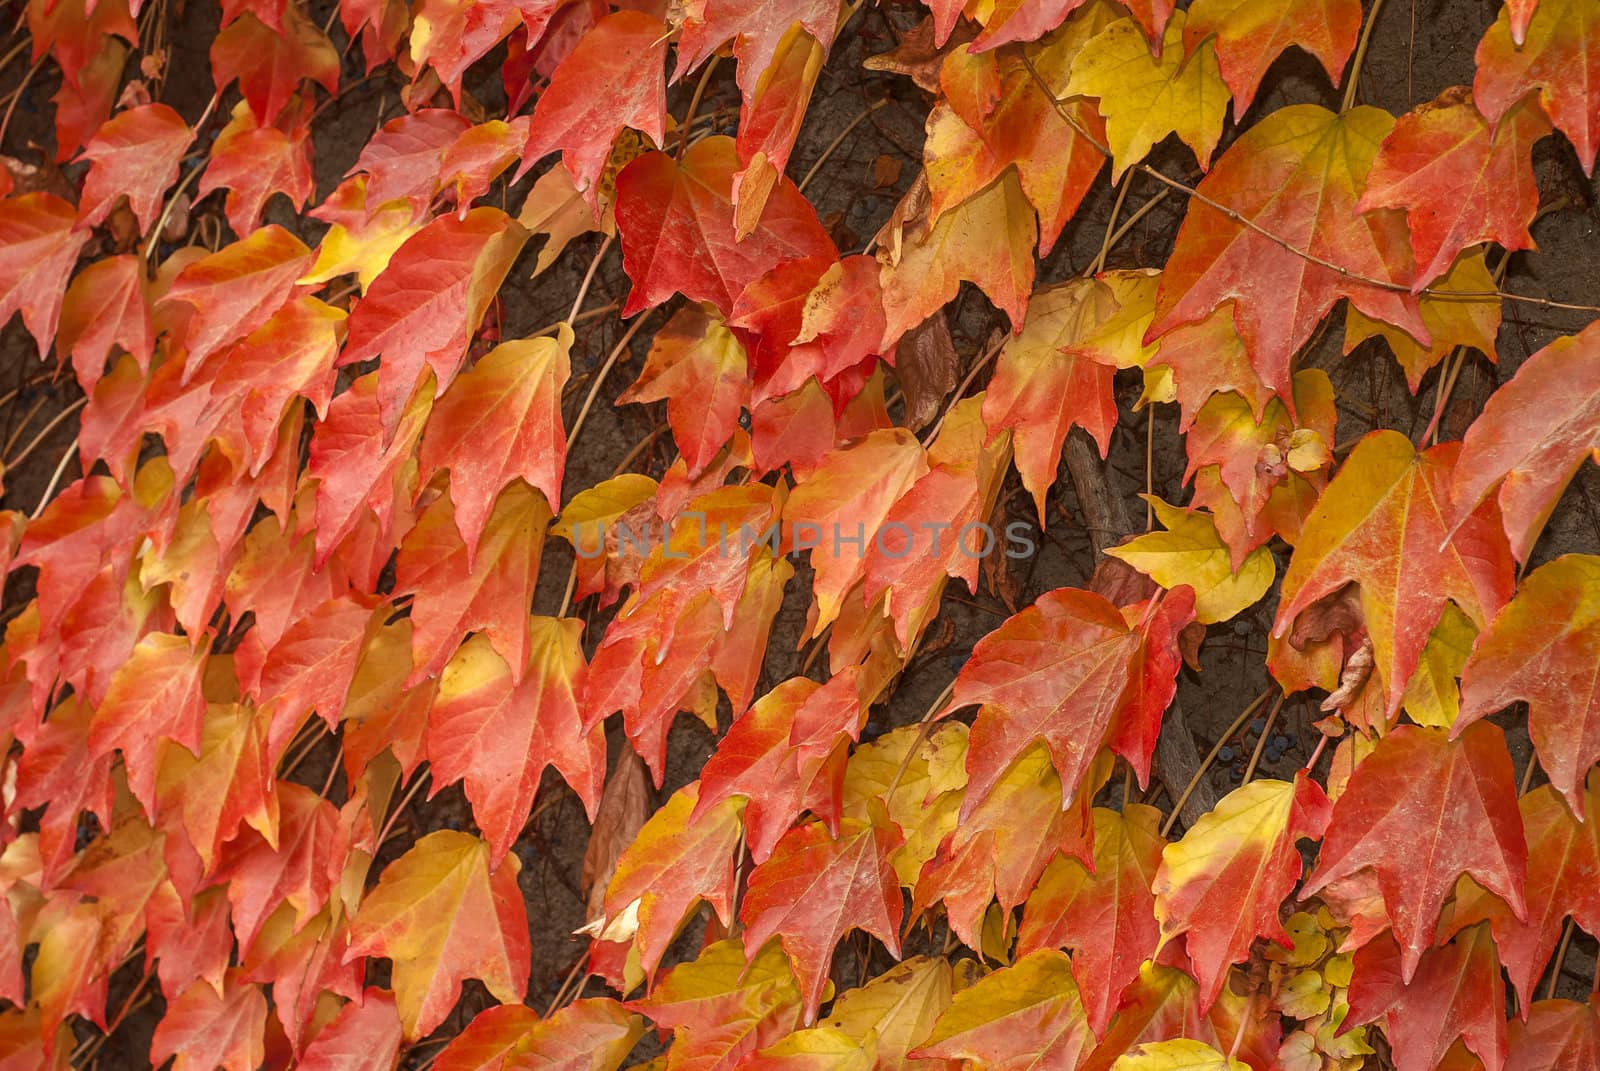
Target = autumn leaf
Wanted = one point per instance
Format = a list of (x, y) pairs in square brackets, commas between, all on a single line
[(935, 258), (1456, 798), (1457, 992), (205, 1029), (135, 155), (253, 162), (1222, 883), (1106, 915), (721, 1006), (1248, 37), (698, 367), (1178, 1055), (441, 915), (1460, 179), (1028, 1014), (1452, 318), (1057, 672), (497, 735), (1297, 176), (1190, 552), (676, 222), (815, 887), (1042, 388), (1146, 94), (1529, 449), (1563, 864), (423, 308), (1560, 1034), (1557, 40), (613, 78), (1383, 523)]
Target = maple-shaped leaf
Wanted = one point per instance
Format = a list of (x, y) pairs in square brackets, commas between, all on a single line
[(311, 666), (1457, 992), (999, 847), (1106, 915), (1460, 179), (770, 118), (1192, 554), (1028, 1014), (1563, 880), (254, 161), (755, 761), (235, 290), (1057, 672), (897, 1009), (698, 366), (1042, 386), (300, 870), (677, 226), (500, 420), (498, 734), (1542, 648), (355, 472), (756, 30), (363, 1036), (1000, 109), (41, 244), (302, 963), (136, 154), (478, 157), (424, 307), (451, 36), (1529, 448), (613, 78), (1179, 1054), (986, 240), (270, 66), (155, 695), (1296, 175), (1421, 810), (555, 208), (594, 1034), (1163, 1005), (1145, 97), (722, 1007), (676, 861), (1249, 36), (851, 493), (456, 595), (1383, 524), (402, 160), (1556, 55), (205, 1030), (817, 886), (911, 555), (105, 309), (1455, 311), (1560, 1035), (441, 915), (1222, 884), (227, 782)]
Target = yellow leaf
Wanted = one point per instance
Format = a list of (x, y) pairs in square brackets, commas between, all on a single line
[(897, 1008), (1177, 1055), (926, 788), (1190, 552), (1144, 98), (1451, 321), (557, 210), (365, 249), (1432, 695)]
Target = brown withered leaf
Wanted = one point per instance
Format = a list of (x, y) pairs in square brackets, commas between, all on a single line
[(917, 57), (623, 809), (926, 364)]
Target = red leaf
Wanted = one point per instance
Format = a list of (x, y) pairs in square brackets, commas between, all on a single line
[(1250, 36), (236, 289), (137, 153), (253, 162), (205, 1031), (403, 159), (1057, 672), (1420, 811), (364, 1036), (815, 887), (612, 78), (498, 735), (1557, 55), (1560, 1036), (676, 222), (105, 309), (500, 420), (271, 66), (1457, 993), (423, 309), (156, 695), (41, 245)]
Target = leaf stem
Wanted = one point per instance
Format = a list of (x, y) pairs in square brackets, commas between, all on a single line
[(838, 140), (1361, 55), (1261, 742)]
